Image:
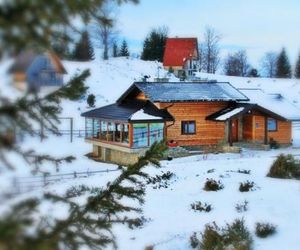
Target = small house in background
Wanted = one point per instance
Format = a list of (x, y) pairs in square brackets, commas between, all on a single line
[(34, 71), (181, 56)]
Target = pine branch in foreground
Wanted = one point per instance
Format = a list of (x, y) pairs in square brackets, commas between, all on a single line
[(88, 224), (25, 114)]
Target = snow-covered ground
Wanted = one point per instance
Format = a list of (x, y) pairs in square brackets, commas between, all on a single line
[(170, 219)]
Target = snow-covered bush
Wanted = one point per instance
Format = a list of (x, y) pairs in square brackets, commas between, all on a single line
[(161, 181), (246, 186), (91, 100), (233, 236), (194, 241), (237, 235), (198, 206), (273, 144), (285, 166), (213, 185), (242, 207), (244, 171), (263, 230)]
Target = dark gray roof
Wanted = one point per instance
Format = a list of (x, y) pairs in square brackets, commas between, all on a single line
[(23, 61), (124, 111), (186, 91)]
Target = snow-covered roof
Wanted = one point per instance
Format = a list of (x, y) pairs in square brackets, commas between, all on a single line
[(273, 102), (234, 110), (178, 50), (141, 115), (229, 114), (288, 88), (130, 111)]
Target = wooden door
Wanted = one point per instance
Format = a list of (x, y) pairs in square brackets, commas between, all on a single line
[(235, 130)]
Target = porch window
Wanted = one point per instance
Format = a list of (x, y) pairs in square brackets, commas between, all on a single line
[(140, 135), (103, 132), (156, 132), (188, 127), (145, 134), (125, 134), (89, 128), (110, 132), (96, 128), (107, 131), (272, 124)]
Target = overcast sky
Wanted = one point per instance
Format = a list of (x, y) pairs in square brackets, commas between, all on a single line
[(255, 25)]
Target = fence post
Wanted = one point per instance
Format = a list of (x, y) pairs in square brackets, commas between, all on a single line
[(45, 179), (16, 185), (42, 130), (71, 124)]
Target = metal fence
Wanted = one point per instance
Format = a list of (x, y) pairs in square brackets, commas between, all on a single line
[(22, 185)]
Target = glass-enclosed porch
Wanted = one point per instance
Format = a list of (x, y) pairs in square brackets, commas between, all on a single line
[(131, 135)]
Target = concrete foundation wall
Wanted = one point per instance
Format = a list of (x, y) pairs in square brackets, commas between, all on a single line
[(116, 156)]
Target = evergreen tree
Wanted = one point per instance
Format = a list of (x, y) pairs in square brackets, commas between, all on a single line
[(60, 45), (124, 49), (91, 100), (47, 19), (283, 66), (154, 44), (297, 68), (61, 50), (171, 70), (84, 50), (115, 50), (253, 73)]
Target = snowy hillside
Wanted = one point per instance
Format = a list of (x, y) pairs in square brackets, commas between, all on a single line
[(169, 219), (108, 80)]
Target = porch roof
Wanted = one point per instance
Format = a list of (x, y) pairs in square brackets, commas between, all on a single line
[(240, 109), (137, 111)]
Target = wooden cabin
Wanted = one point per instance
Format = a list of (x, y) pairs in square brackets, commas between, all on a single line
[(33, 71), (186, 113), (182, 56)]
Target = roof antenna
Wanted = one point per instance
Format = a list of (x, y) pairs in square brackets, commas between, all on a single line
[(145, 78)]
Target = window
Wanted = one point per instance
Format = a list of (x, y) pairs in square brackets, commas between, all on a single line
[(103, 134), (140, 135), (272, 124), (96, 128), (145, 134), (156, 132), (125, 137), (89, 128), (188, 127)]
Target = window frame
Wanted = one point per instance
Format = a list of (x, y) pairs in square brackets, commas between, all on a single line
[(183, 123), (276, 125)]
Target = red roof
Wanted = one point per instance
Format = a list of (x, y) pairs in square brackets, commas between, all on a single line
[(178, 50)]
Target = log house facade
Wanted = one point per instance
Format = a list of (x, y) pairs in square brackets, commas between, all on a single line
[(189, 114)]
